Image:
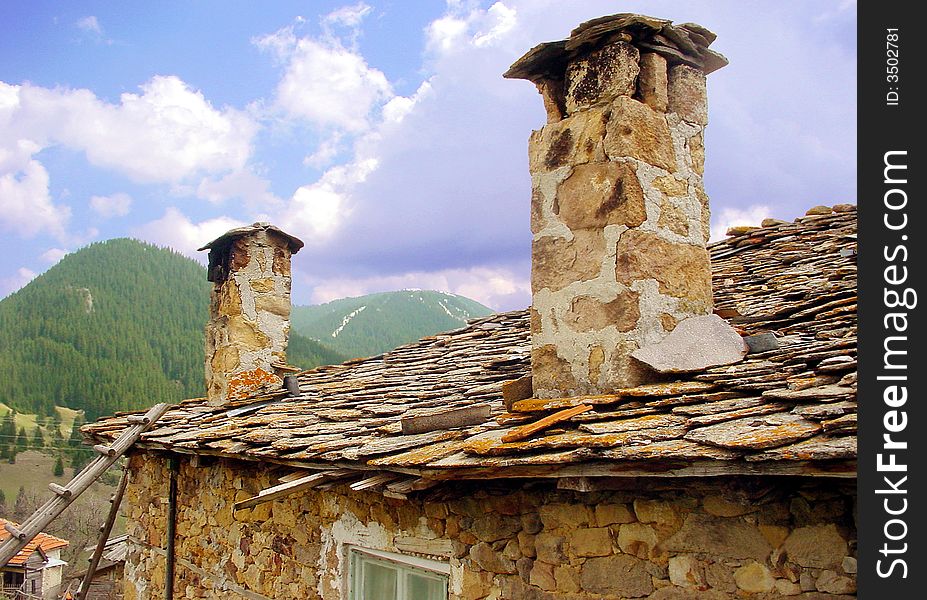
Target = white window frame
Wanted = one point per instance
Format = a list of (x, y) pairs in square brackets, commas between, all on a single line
[(423, 567)]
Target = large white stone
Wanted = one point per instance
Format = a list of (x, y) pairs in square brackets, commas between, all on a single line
[(697, 343)]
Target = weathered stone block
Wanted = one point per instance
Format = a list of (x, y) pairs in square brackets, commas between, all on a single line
[(551, 91), (620, 576), (674, 218), (557, 262), (601, 75), (637, 539), (697, 343), (724, 538), (542, 576), (495, 527), (697, 153), (561, 514), (600, 194), (637, 131), (609, 514), (652, 81), (589, 314), (832, 583), (682, 270), (686, 571), (819, 546), (567, 579), (591, 542), (754, 578), (575, 140), (688, 95), (551, 375), (659, 512), (490, 560), (784, 587), (273, 304), (550, 548)]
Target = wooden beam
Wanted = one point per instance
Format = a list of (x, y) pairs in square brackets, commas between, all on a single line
[(291, 487), (449, 419), (105, 450), (293, 476), (526, 431), (59, 489), (843, 469), (16, 533), (105, 530), (373, 481)]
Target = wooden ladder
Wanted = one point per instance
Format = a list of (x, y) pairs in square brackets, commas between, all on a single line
[(64, 495)]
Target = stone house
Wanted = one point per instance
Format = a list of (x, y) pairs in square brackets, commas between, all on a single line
[(36, 570), (667, 421)]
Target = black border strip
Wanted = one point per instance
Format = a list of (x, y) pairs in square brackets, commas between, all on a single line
[(891, 358)]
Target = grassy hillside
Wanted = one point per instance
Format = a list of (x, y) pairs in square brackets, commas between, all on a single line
[(375, 323)]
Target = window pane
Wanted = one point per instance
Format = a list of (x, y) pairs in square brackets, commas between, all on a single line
[(379, 582), (424, 588)]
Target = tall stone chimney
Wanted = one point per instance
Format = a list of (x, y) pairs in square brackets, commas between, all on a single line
[(618, 210), (249, 310)]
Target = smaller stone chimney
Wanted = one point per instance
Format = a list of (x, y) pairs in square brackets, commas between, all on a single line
[(249, 311), (619, 213)]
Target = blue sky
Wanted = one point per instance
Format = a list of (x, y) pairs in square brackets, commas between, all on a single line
[(380, 133)]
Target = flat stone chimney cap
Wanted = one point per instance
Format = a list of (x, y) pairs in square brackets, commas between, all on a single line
[(686, 43), (226, 238)]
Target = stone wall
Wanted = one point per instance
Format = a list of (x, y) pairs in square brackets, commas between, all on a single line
[(661, 540), (619, 215), (249, 314)]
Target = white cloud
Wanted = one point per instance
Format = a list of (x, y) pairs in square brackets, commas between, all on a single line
[(13, 283), (494, 287), (243, 184), (316, 210), (500, 19), (53, 255), (90, 24), (166, 133), (115, 205), (729, 217), (464, 26), (177, 231), (325, 83), (348, 16), (325, 153), (25, 205)]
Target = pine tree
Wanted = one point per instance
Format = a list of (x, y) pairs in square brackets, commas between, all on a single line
[(22, 440), (75, 438), (59, 467), (38, 440), (3, 507)]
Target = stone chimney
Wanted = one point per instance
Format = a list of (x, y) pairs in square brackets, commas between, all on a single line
[(618, 210), (249, 311)]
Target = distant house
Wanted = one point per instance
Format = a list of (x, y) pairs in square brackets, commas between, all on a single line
[(668, 420), (36, 571)]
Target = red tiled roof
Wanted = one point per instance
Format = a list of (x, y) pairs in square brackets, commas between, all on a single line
[(43, 540)]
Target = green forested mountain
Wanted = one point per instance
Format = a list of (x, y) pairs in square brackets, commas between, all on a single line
[(117, 325), (375, 323)]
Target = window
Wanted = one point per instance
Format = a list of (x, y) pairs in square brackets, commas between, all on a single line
[(386, 576)]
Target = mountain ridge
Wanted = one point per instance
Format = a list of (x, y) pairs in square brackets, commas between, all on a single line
[(374, 323)]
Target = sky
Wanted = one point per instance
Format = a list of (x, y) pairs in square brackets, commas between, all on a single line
[(381, 133)]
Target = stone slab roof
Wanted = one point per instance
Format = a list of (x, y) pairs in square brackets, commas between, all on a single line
[(42, 541), (788, 408), (686, 43)]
